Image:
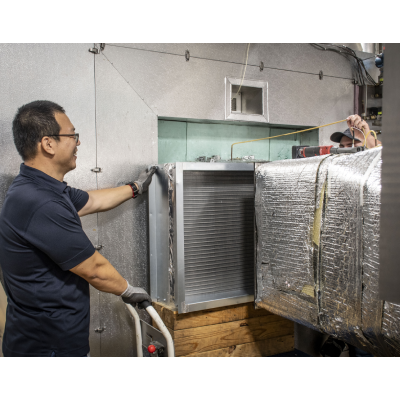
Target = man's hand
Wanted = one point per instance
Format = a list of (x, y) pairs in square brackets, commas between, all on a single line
[(133, 295), (144, 179), (356, 122)]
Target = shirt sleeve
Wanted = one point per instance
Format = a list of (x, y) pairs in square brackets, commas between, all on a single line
[(78, 197), (57, 232)]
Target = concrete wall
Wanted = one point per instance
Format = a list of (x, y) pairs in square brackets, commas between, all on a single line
[(60, 73), (173, 87), (114, 100)]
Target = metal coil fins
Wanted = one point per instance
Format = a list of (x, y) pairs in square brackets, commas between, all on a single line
[(218, 234)]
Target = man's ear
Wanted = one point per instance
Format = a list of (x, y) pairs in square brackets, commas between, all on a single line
[(47, 145)]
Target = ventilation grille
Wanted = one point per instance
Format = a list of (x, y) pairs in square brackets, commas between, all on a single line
[(218, 234)]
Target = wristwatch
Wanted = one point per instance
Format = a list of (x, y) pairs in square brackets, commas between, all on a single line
[(135, 190)]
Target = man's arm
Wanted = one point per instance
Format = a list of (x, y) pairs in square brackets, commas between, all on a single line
[(105, 199), (98, 271)]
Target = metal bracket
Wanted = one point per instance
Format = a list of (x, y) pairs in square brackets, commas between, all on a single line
[(151, 335), (95, 50), (321, 75), (96, 169), (187, 55), (159, 349), (98, 246), (100, 330), (261, 66)]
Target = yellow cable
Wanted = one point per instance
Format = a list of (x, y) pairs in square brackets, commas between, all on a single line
[(366, 136), (285, 134)]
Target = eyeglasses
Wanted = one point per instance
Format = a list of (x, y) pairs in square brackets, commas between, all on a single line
[(75, 135)]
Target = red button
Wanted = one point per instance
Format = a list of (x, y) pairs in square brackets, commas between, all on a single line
[(151, 348)]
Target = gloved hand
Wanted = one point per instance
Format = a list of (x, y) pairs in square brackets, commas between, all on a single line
[(144, 179), (133, 295)]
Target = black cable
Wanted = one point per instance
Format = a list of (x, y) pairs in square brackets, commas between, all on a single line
[(224, 61), (362, 74)]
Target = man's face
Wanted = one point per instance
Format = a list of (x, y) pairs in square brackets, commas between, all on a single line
[(66, 148), (347, 142)]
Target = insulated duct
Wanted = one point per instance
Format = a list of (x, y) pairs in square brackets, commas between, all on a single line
[(318, 248)]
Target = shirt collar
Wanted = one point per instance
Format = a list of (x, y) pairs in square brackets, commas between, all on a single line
[(42, 178)]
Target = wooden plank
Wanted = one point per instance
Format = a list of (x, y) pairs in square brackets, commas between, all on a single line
[(212, 337), (176, 321), (262, 348)]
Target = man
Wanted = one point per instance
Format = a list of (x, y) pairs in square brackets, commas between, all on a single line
[(46, 258), (355, 125)]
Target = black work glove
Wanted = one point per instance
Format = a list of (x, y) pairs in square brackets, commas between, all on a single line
[(133, 295), (144, 179)]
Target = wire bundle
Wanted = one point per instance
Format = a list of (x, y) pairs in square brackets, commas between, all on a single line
[(363, 77)]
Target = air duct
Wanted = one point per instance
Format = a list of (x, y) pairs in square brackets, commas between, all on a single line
[(318, 248)]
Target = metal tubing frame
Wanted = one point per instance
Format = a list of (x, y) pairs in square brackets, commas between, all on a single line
[(138, 330), (157, 319)]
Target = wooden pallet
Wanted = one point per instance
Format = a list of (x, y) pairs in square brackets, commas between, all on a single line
[(233, 331)]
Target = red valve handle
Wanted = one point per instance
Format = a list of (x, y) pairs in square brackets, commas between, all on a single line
[(151, 348)]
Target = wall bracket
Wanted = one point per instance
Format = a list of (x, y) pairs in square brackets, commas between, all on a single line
[(96, 169), (96, 50)]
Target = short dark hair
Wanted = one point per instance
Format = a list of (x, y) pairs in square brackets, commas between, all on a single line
[(33, 121)]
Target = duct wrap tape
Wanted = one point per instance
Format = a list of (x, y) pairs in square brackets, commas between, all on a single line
[(318, 248)]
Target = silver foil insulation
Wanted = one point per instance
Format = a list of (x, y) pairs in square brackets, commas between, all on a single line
[(317, 223)]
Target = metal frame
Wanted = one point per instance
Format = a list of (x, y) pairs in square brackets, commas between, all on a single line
[(229, 81), (389, 272), (158, 237), (160, 271)]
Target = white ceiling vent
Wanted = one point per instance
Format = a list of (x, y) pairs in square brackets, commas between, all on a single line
[(246, 100)]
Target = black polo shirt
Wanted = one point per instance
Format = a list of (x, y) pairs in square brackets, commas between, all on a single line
[(41, 239)]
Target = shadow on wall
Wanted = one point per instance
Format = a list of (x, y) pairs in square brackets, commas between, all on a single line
[(5, 182), (3, 306)]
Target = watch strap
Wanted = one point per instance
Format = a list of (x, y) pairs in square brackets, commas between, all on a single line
[(135, 190)]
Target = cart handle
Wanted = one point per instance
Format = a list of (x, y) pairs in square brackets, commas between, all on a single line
[(160, 324)]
